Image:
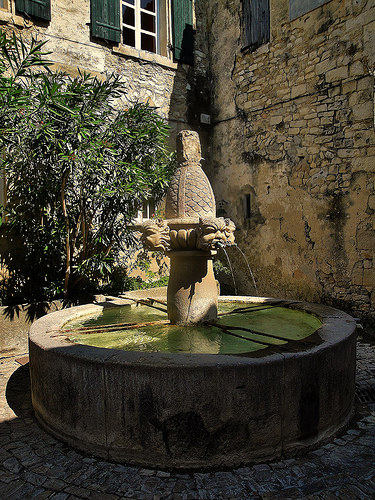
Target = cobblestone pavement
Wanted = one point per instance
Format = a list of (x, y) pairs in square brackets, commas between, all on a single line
[(35, 465)]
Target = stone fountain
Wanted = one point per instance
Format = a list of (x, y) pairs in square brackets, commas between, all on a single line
[(193, 411), (189, 237)]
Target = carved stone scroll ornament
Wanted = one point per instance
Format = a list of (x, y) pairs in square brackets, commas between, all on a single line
[(155, 235)]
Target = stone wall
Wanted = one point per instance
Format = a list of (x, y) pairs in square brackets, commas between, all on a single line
[(293, 127)]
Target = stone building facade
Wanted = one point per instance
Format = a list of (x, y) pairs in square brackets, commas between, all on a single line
[(293, 147), (286, 124)]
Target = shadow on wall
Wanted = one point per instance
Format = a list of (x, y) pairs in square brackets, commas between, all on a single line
[(190, 97), (32, 311), (35, 310)]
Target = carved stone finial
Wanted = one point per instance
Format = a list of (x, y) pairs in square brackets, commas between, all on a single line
[(188, 148), (190, 193)]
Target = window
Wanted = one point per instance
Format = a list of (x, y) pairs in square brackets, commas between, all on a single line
[(40, 9), (247, 206), (299, 7), (148, 211), (140, 21), (3, 4), (256, 23), (145, 25)]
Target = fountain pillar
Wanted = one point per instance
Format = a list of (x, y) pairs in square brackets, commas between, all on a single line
[(192, 288), (189, 236)]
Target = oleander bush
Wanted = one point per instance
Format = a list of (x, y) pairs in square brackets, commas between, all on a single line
[(78, 166)]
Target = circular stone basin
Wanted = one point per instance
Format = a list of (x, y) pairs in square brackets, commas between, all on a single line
[(193, 410)]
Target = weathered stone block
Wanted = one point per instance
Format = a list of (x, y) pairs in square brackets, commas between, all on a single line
[(298, 124), (357, 273), (294, 131), (326, 65), (363, 111), (345, 153), (366, 240), (337, 74), (348, 87), (369, 277), (365, 83), (298, 90), (326, 121), (364, 163), (275, 120), (356, 69)]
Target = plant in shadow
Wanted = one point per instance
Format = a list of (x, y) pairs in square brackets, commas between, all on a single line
[(78, 167)]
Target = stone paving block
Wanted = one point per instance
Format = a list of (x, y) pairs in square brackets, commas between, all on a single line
[(79, 492), (12, 465), (6, 490), (7, 477), (55, 484), (24, 492), (59, 496), (102, 496), (40, 494), (33, 478), (162, 473)]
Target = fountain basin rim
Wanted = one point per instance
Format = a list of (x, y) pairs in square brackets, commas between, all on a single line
[(336, 327)]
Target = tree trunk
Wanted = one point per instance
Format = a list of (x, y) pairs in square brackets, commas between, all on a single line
[(67, 229)]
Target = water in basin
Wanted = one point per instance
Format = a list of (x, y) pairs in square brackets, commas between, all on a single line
[(276, 326)]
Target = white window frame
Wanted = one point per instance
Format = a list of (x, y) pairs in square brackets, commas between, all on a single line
[(138, 31), (8, 14), (147, 211), (164, 56)]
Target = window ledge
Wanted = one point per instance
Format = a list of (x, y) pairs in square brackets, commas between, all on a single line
[(144, 56), (6, 16)]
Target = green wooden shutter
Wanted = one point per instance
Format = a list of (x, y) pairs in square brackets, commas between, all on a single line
[(256, 23), (105, 19), (35, 8), (183, 33)]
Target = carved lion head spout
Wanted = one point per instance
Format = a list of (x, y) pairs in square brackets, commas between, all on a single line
[(155, 235), (229, 232), (210, 233)]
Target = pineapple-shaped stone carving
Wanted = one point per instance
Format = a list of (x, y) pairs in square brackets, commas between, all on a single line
[(190, 193)]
